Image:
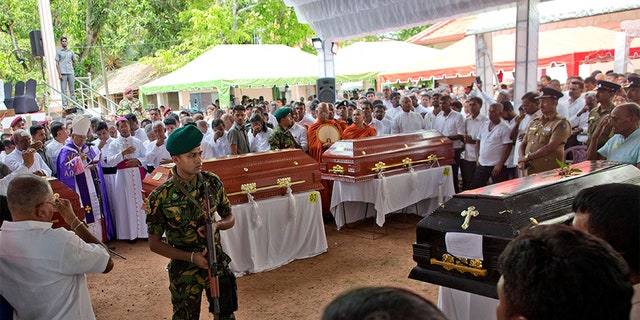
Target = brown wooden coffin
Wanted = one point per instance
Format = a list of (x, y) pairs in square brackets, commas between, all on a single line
[(264, 174), (496, 214), (65, 192), (363, 159)]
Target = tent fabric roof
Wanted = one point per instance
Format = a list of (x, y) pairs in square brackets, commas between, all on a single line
[(254, 65), (339, 19), (381, 56), (558, 46)]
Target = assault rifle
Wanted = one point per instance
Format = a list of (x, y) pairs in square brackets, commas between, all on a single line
[(214, 286)]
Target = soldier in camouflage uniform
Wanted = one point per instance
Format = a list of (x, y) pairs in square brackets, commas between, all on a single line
[(281, 137), (174, 209)]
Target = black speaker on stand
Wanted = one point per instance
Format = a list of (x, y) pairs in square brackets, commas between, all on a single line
[(36, 43), (326, 89)]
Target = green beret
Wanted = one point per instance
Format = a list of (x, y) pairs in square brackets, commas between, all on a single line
[(183, 139), (282, 113)]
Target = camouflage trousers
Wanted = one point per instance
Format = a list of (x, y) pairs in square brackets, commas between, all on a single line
[(186, 283)]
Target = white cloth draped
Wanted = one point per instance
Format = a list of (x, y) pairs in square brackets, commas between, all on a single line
[(397, 191), (279, 240)]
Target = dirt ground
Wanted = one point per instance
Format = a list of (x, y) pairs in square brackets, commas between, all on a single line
[(137, 288)]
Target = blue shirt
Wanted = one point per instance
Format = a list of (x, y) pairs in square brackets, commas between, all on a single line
[(623, 150)]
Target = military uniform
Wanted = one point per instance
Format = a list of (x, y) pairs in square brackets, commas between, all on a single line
[(595, 117), (172, 212), (540, 132), (282, 139), (125, 107)]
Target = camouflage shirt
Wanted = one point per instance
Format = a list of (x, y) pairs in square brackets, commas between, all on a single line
[(125, 107), (282, 139), (170, 211)]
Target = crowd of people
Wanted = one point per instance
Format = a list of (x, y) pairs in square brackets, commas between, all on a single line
[(105, 159)]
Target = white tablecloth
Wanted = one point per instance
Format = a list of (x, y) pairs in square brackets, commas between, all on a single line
[(391, 194), (461, 305), (280, 238)]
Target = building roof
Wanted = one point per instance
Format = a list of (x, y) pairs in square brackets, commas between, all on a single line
[(133, 75), (445, 32)]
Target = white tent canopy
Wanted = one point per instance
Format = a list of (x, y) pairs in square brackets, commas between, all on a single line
[(226, 66)]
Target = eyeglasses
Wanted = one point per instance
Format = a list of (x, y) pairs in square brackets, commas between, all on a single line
[(54, 204)]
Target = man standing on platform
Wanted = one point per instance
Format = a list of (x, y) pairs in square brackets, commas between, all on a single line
[(281, 137), (544, 141), (175, 209), (358, 129), (127, 153), (78, 167), (65, 61)]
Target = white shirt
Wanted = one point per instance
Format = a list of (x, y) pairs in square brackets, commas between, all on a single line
[(212, 148), (378, 125), (259, 142), (452, 124), (43, 270), (156, 154), (432, 121), (53, 150), (472, 126), (407, 122), (492, 143), (4, 182), (577, 122), (421, 110), (141, 135), (299, 133), (307, 120), (386, 125), (14, 160)]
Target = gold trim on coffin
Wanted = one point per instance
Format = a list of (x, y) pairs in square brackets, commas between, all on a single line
[(405, 162), (449, 262), (252, 187), (337, 169)]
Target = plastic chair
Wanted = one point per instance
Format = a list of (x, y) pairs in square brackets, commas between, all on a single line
[(19, 89), (8, 95), (578, 153), (26, 103)]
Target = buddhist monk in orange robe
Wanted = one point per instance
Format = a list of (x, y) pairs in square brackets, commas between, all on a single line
[(317, 147), (358, 129)]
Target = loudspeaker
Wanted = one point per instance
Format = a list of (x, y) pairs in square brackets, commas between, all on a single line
[(36, 43), (326, 90)]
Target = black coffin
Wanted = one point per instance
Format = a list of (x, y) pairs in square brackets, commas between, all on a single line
[(499, 212)]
